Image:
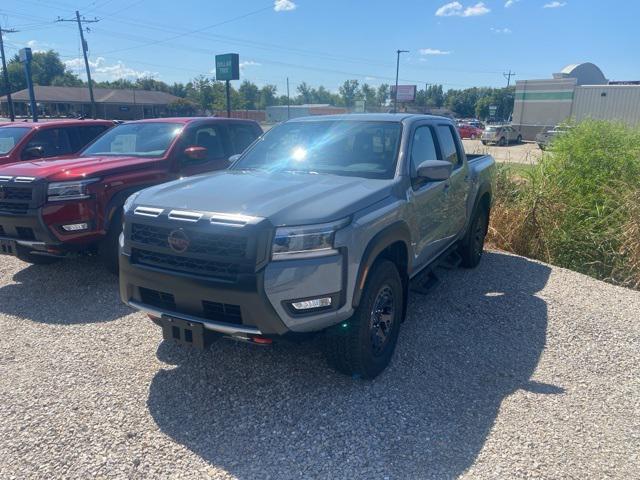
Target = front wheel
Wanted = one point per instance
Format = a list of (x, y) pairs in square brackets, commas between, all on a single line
[(503, 142), (519, 139), (363, 345), (472, 245), (108, 247), (484, 142)]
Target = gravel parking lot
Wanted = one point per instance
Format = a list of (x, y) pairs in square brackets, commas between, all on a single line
[(526, 153), (515, 369)]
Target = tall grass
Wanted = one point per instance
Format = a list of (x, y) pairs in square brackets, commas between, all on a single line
[(579, 207)]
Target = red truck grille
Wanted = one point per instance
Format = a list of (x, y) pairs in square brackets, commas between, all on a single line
[(13, 208)]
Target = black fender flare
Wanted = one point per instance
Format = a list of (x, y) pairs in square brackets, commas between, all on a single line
[(484, 189), (389, 235), (117, 201)]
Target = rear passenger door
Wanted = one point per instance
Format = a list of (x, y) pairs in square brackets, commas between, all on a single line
[(456, 188), (215, 138)]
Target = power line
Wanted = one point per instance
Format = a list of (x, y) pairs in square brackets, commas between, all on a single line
[(85, 47), (508, 77)]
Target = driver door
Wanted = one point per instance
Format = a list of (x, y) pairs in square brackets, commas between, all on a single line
[(213, 137), (427, 199)]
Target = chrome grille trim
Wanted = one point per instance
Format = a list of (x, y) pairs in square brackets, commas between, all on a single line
[(185, 216), (24, 179), (148, 211)]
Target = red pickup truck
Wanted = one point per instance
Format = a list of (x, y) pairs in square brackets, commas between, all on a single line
[(49, 208), (28, 141)]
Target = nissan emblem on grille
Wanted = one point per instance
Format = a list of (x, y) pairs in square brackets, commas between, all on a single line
[(178, 241)]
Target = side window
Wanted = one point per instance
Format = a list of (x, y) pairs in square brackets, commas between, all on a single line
[(242, 136), (448, 144), (423, 148), (54, 142), (210, 137), (86, 134)]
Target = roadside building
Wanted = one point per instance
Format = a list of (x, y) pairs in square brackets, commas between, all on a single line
[(74, 101), (280, 113), (578, 92)]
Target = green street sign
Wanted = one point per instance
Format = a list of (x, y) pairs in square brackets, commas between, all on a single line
[(228, 66)]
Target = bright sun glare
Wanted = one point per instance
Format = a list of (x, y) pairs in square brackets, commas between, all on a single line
[(299, 154)]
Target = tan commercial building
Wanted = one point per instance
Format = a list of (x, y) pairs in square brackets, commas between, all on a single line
[(74, 101)]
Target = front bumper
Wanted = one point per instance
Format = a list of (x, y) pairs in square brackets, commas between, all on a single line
[(259, 305), (28, 231)]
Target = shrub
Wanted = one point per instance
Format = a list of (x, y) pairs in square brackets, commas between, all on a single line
[(579, 207)]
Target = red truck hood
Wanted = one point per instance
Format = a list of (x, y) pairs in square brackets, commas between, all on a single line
[(72, 168)]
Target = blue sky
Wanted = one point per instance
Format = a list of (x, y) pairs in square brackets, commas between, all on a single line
[(324, 42)]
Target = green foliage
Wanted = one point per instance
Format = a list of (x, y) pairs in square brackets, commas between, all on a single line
[(580, 206), (46, 69)]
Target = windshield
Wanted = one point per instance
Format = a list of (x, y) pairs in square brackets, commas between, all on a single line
[(135, 139), (353, 148), (9, 137)]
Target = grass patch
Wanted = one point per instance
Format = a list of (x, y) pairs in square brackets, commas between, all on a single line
[(579, 207)]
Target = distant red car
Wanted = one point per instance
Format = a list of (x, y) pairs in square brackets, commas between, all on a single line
[(30, 141), (469, 131)]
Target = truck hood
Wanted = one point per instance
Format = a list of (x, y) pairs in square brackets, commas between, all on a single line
[(60, 168), (283, 198)]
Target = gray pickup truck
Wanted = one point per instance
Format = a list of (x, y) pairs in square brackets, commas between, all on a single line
[(319, 226)]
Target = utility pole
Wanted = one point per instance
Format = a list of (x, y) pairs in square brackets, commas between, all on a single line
[(85, 48), (26, 56), (288, 101), (395, 97), (508, 77), (5, 74)]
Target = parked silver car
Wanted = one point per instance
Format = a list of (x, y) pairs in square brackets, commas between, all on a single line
[(500, 135)]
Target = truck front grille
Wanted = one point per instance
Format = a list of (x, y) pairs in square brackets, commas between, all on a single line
[(16, 193), (14, 208), (158, 299), (200, 243), (208, 268)]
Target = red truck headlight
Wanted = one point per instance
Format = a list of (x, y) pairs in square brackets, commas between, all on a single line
[(73, 190)]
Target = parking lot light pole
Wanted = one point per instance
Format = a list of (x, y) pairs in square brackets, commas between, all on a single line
[(395, 97)]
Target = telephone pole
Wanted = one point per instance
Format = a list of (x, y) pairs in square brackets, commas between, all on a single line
[(5, 74), (508, 77), (85, 48), (395, 97)]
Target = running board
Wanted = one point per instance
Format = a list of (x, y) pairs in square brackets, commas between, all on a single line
[(424, 282)]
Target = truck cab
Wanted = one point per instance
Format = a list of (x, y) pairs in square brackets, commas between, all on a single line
[(25, 141), (49, 208)]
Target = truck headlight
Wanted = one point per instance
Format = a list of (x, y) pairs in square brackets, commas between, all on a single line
[(74, 190), (306, 241)]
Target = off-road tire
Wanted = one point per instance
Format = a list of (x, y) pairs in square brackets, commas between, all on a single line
[(33, 258), (109, 245), (472, 245), (350, 347), (484, 142), (519, 139)]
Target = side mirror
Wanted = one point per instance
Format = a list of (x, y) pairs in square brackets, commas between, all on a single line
[(234, 158), (34, 152), (435, 170), (196, 153)]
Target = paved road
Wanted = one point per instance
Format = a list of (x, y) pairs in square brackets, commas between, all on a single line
[(515, 369)]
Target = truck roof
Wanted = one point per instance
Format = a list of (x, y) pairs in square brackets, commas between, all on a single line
[(186, 120), (55, 123), (370, 117)]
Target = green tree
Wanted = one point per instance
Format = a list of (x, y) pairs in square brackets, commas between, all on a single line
[(46, 69), (382, 95), (268, 96), (249, 95), (305, 93), (349, 91), (369, 95)]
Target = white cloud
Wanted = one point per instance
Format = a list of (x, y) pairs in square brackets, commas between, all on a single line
[(433, 51), (284, 5), (100, 70), (510, 3), (456, 9), (505, 30), (554, 5), (249, 63), (38, 47)]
